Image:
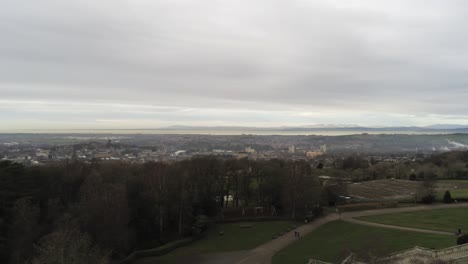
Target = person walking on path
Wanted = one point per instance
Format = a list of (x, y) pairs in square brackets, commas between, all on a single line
[(338, 212)]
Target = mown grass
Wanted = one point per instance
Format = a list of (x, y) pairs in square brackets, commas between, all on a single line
[(448, 220), (234, 238), (334, 241)]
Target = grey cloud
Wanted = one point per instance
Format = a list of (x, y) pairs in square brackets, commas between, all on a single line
[(318, 56)]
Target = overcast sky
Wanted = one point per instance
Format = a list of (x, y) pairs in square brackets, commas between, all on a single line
[(147, 64)]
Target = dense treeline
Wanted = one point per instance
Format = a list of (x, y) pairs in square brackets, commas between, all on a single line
[(94, 212), (448, 165)]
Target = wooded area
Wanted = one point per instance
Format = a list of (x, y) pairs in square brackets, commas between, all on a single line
[(104, 210)]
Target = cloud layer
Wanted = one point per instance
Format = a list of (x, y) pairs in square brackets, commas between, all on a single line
[(134, 64)]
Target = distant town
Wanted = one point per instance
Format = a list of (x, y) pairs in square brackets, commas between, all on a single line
[(37, 149)]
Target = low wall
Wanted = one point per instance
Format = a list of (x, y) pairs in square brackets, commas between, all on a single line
[(159, 251)]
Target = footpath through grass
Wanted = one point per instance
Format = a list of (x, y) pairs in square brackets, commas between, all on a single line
[(448, 220), (334, 241), (235, 238)]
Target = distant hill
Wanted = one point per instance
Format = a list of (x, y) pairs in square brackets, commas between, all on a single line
[(449, 128)]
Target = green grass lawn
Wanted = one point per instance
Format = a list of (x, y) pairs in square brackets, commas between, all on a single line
[(334, 241), (441, 219), (234, 238)]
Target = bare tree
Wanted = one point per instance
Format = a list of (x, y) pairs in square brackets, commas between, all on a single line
[(104, 211), (24, 230), (67, 246), (155, 180)]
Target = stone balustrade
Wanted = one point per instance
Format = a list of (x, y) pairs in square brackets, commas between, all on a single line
[(455, 254)]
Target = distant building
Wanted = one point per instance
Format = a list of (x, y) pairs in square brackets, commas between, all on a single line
[(313, 154), (323, 148), (292, 149), (180, 152), (249, 150), (103, 155), (242, 155)]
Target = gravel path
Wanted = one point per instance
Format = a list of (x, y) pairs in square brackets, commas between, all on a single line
[(359, 222)]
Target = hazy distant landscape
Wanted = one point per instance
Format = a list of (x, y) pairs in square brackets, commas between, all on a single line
[(234, 130)]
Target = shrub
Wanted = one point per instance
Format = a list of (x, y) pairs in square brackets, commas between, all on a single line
[(428, 199), (448, 197), (317, 211), (462, 240), (201, 224), (68, 246)]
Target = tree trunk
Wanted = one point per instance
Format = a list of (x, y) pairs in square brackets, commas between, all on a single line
[(180, 221)]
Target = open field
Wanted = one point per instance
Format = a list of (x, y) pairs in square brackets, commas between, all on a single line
[(235, 238), (335, 240), (448, 220), (400, 190)]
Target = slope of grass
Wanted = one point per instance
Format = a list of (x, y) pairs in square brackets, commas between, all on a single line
[(441, 219), (235, 238), (334, 241)]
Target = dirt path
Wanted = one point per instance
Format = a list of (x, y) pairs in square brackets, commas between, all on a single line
[(264, 253)]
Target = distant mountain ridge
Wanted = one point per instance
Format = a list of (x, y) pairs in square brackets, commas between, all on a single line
[(331, 127)]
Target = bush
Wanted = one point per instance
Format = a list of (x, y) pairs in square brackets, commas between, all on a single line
[(462, 240), (317, 211), (428, 199), (448, 197), (201, 224), (68, 246)]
